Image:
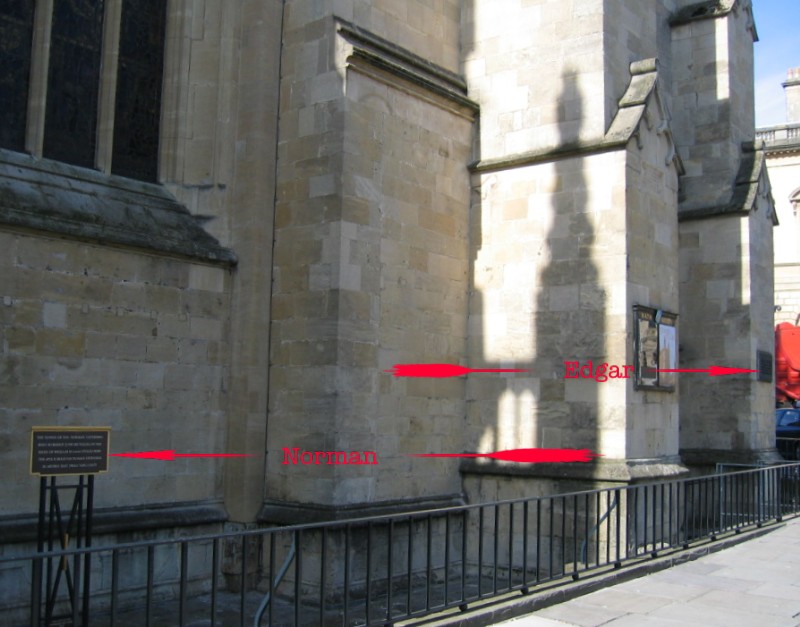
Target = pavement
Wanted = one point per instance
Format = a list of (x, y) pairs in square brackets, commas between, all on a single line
[(755, 583)]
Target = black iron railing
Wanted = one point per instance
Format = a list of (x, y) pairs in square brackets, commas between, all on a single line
[(789, 448), (379, 570)]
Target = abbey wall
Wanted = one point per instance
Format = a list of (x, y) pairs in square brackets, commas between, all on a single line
[(347, 185)]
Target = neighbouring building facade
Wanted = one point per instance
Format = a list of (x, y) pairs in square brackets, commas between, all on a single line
[(221, 223), (782, 147)]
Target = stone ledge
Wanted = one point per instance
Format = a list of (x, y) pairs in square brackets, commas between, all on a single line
[(700, 457), (751, 181), (612, 471), (534, 157), (364, 41), (782, 146), (23, 528), (288, 513), (55, 197), (707, 10), (381, 59), (638, 104)]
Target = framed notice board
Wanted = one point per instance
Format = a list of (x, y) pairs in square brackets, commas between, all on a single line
[(655, 348), (69, 450)]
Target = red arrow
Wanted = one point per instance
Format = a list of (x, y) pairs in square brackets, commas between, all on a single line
[(713, 371), (170, 455), (441, 371), (528, 455)]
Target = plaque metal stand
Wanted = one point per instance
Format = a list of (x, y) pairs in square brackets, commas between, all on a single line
[(78, 453), (57, 530)]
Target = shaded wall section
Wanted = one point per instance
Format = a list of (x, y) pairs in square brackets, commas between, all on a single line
[(371, 264), (726, 217)]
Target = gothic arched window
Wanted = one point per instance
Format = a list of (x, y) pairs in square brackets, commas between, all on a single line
[(80, 82), (16, 30)]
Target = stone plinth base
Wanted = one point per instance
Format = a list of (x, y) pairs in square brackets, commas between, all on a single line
[(288, 513)]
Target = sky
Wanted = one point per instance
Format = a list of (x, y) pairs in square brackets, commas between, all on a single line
[(777, 50)]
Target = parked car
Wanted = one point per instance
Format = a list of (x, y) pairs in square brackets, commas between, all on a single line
[(787, 432)]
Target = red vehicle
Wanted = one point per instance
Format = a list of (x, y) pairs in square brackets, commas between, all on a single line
[(787, 364)]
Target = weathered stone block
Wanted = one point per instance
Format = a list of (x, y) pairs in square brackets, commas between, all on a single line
[(60, 343), (20, 339)]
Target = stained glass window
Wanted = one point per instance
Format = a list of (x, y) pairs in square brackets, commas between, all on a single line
[(68, 126), (70, 132), (16, 30), (138, 100)]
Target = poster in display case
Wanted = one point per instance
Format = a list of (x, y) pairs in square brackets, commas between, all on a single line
[(655, 348)]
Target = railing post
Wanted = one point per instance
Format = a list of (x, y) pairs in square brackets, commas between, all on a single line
[(87, 561), (464, 527), (149, 593), (632, 521), (183, 583), (114, 585), (37, 564)]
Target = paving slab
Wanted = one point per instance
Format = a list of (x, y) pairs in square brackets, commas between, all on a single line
[(753, 602), (579, 613), (752, 583), (619, 600)]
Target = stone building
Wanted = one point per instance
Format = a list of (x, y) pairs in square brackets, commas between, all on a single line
[(782, 148), (228, 255)]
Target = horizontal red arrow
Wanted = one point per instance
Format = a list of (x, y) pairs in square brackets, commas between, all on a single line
[(171, 455), (528, 455), (713, 371), (441, 371)]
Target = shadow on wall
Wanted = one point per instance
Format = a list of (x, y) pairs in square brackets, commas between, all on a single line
[(536, 302), (570, 306)]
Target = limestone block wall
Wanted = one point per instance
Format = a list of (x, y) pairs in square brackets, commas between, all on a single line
[(516, 57), (652, 281), (758, 429), (725, 232), (428, 29), (564, 250), (738, 81), (712, 250), (370, 265), (94, 336), (217, 147), (713, 99), (217, 157), (634, 31), (199, 93), (569, 232), (549, 269), (726, 290), (250, 203)]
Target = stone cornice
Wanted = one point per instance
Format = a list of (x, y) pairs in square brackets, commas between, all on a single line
[(751, 181), (713, 9), (782, 147), (565, 151), (608, 470), (381, 59), (640, 103), (58, 198), (706, 10)]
